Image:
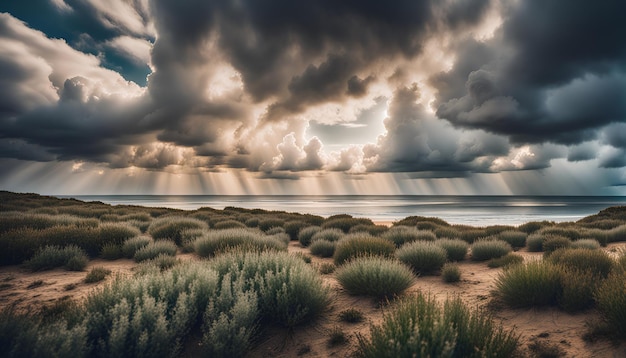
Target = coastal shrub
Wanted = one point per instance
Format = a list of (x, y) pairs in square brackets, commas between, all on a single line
[(485, 249), (323, 248), (148, 315), (597, 262), (305, 235), (332, 235), (188, 237), (133, 244), (617, 234), (590, 244), (228, 224), (456, 249), (351, 315), (252, 222), (355, 245), (87, 238), (426, 225), (610, 299), (154, 249), (292, 228), (97, 274), (344, 223), (277, 230), (111, 252), (472, 235), (553, 243), (536, 283), (116, 233), (447, 233), (18, 245), (374, 230), (603, 237), (375, 276), (160, 263), (290, 291), (268, 223), (533, 226), (223, 240), (534, 242), (71, 257), (415, 220), (506, 260), (450, 272), (171, 227), (419, 326), (606, 224), (423, 257), (577, 288), (572, 233), (400, 235), (496, 230), (516, 239)]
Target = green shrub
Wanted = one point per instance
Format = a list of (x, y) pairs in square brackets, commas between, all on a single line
[(456, 249), (423, 257), (133, 244), (116, 233), (590, 244), (447, 233), (323, 248), (326, 268), (420, 327), (415, 220), (483, 250), (351, 315), (332, 235), (252, 222), (577, 288), (355, 245), (536, 283), (506, 260), (223, 240), (290, 291), (534, 242), (533, 226), (450, 272), (472, 235), (601, 236), (154, 249), (374, 230), (553, 243), (171, 227), (111, 252), (400, 235), (610, 299), (292, 228), (71, 257), (344, 223), (277, 230), (570, 232), (617, 234), (375, 276), (305, 235), (18, 245), (597, 262), (162, 262), (514, 238), (228, 224), (97, 274), (268, 223)]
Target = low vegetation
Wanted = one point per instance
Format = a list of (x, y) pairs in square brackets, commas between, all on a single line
[(375, 276), (70, 257), (424, 257), (355, 245)]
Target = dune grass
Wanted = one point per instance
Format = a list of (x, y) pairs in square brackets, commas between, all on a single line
[(450, 272), (485, 249), (218, 241), (323, 248), (70, 257), (424, 257), (355, 245), (375, 276), (97, 274), (171, 227), (154, 249), (305, 235), (456, 249)]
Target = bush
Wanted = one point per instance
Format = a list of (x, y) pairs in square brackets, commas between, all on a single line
[(423, 257), (328, 235), (266, 224), (292, 228), (228, 224), (375, 276), (597, 262), (447, 233), (536, 283), (344, 223), (483, 250), (223, 240), (111, 252), (305, 235), (322, 248), (154, 249), (162, 262), (355, 245), (577, 288), (351, 315), (290, 291), (71, 257), (326, 268), (451, 272), (514, 238), (133, 244), (374, 230), (420, 327), (171, 227), (533, 226), (472, 235), (400, 235), (553, 243), (617, 234), (506, 260), (534, 242), (590, 244), (97, 274), (611, 302), (456, 249), (116, 233)]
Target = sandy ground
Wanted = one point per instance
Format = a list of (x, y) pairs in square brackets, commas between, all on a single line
[(25, 289)]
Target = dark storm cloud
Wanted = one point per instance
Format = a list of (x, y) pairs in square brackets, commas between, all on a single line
[(553, 72)]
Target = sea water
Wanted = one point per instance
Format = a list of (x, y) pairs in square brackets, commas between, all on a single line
[(471, 210)]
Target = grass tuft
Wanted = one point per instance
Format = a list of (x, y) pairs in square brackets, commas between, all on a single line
[(486, 249), (423, 257), (355, 245), (375, 276)]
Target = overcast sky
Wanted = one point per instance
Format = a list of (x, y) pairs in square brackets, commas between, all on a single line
[(313, 97)]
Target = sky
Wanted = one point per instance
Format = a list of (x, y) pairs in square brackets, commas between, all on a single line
[(457, 97)]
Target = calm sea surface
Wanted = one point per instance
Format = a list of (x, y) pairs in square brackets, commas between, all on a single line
[(472, 210)]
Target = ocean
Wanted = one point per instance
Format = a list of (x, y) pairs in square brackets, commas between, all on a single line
[(470, 210)]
